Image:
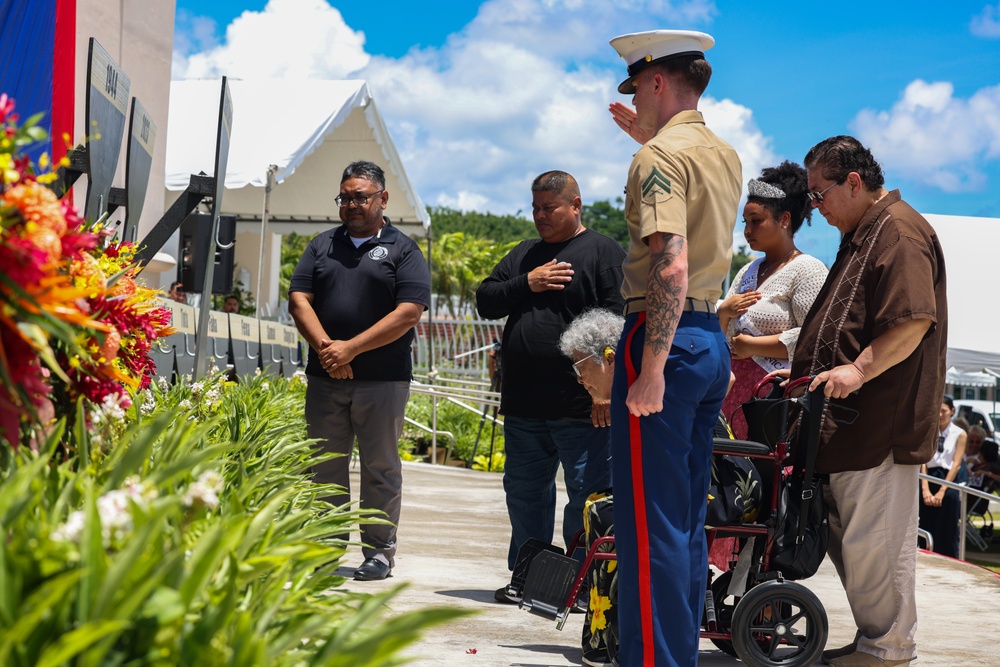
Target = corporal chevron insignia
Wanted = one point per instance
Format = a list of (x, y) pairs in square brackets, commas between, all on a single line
[(655, 180)]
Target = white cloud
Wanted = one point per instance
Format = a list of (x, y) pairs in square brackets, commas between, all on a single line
[(288, 39), (987, 22), (522, 89), (935, 138)]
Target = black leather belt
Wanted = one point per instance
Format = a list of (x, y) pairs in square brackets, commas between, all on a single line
[(638, 305)]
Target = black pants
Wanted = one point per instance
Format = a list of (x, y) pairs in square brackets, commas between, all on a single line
[(943, 523)]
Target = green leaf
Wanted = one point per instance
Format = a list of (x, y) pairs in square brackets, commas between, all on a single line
[(35, 609), (69, 645), (92, 558)]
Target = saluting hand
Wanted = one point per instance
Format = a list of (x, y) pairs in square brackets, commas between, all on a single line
[(553, 275), (628, 121)]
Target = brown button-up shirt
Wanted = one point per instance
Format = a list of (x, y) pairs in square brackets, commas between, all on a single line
[(890, 270)]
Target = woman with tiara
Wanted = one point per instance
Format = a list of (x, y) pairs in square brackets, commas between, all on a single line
[(771, 295)]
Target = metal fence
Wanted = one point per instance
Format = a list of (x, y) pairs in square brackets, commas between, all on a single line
[(452, 362)]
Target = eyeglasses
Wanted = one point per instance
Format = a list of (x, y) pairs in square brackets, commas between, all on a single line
[(358, 200), (576, 368), (817, 197)]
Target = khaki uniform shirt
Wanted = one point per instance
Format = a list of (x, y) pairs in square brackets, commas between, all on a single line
[(890, 270), (683, 181)]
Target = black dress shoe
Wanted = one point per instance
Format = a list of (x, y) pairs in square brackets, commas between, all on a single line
[(372, 570)]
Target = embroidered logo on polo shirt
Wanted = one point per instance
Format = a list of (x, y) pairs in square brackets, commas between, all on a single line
[(378, 252), (655, 183)]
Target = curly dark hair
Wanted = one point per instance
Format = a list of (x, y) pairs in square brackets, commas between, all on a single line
[(838, 156), (791, 179)]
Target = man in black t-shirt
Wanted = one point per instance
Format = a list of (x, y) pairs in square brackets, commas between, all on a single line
[(356, 295), (549, 418)]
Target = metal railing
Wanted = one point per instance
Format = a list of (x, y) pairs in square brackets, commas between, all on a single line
[(459, 371), (964, 491)]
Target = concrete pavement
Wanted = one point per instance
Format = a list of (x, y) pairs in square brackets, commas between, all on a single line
[(453, 550)]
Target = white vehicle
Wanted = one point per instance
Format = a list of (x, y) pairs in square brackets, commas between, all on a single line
[(982, 413)]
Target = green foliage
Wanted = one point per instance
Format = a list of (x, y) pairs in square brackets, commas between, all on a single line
[(292, 247), (501, 229), (460, 263), (465, 423), (608, 219), (193, 535), (741, 258)]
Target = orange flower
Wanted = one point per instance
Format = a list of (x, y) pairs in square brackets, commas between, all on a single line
[(37, 204), (87, 275)]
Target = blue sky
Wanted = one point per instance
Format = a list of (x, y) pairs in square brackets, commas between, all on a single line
[(481, 97)]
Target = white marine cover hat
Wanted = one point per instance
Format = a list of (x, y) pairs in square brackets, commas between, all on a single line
[(642, 49)]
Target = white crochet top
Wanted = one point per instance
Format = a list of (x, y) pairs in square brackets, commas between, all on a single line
[(787, 296)]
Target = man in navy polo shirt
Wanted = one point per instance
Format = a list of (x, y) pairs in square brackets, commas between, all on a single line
[(356, 295)]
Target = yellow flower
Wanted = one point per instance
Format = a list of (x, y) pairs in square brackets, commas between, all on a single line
[(598, 605)]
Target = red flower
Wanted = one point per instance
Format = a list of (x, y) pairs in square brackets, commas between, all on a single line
[(6, 108)]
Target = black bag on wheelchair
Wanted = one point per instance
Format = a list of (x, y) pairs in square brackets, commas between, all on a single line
[(767, 416), (795, 558), (802, 530)]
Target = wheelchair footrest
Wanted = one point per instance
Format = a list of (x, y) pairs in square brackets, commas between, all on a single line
[(549, 582), (522, 563)]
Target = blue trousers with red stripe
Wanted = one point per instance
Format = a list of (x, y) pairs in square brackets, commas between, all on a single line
[(661, 466)]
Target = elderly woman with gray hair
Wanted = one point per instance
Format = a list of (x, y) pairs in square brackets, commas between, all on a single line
[(590, 342)]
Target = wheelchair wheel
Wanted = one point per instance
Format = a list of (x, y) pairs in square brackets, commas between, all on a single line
[(725, 604), (779, 623)]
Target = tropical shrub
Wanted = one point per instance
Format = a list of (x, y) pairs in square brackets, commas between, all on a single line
[(196, 537)]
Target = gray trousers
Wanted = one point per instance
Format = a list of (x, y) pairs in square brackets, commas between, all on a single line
[(336, 412), (873, 545)]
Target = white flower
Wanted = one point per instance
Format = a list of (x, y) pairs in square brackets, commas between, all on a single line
[(205, 491), (212, 395), (114, 509), (266, 386), (197, 388), (114, 407), (71, 530), (164, 385), (185, 404)]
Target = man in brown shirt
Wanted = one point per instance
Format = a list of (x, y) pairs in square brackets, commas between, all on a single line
[(877, 336)]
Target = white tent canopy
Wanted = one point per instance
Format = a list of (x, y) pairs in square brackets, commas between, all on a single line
[(310, 130), (970, 252)]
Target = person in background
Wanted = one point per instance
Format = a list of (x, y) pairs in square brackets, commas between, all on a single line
[(770, 296), (231, 305), (672, 369), (940, 508), (549, 419), (355, 296), (876, 340), (177, 292)]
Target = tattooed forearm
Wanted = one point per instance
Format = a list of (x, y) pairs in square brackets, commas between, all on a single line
[(666, 290)]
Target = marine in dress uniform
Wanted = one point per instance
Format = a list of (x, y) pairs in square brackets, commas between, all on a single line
[(681, 202)]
